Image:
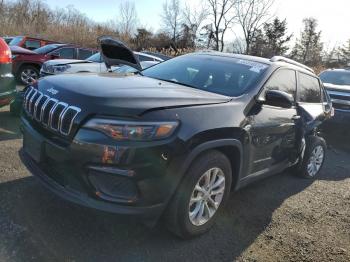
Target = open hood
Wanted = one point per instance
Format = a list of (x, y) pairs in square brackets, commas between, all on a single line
[(21, 50), (115, 52)]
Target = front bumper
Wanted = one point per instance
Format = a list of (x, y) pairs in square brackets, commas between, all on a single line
[(83, 199), (44, 73), (340, 116), (135, 181)]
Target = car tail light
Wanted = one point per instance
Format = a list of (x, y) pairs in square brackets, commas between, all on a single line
[(5, 53)]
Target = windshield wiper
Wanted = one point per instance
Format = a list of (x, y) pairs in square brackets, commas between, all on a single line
[(175, 82)]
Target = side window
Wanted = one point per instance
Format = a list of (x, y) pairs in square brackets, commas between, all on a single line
[(283, 80), (66, 53), (84, 53), (32, 44), (309, 90)]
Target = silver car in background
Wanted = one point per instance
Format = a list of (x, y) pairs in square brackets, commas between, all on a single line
[(93, 64)]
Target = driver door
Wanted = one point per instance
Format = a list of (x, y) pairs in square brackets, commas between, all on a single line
[(272, 128)]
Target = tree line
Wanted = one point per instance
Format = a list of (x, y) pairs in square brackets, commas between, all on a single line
[(184, 28)]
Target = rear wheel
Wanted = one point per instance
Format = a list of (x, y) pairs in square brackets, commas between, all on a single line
[(28, 75), (200, 196)]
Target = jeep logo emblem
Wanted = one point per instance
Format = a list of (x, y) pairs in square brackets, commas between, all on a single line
[(52, 91)]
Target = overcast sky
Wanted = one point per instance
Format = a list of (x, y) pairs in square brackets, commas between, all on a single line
[(333, 16)]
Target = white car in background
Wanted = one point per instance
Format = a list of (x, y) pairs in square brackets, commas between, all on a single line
[(94, 64)]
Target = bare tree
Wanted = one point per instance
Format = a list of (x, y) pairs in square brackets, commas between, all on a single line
[(193, 18), (127, 20), (251, 15), (171, 17), (222, 15)]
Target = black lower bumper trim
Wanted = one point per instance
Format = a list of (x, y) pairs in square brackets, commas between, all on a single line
[(149, 212)]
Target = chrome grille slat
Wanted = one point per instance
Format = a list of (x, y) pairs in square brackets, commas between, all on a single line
[(34, 99), (48, 111), (44, 98), (31, 101), (28, 98), (26, 95), (51, 113), (36, 104), (77, 110)]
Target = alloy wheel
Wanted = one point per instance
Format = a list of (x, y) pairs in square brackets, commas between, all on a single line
[(29, 76), (316, 161), (206, 196)]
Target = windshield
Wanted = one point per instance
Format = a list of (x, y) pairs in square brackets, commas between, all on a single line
[(223, 75), (95, 58), (341, 78), (46, 49), (16, 41), (8, 40)]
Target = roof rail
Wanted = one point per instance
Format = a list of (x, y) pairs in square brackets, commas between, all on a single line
[(290, 61)]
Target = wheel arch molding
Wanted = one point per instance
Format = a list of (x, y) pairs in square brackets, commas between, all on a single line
[(232, 148)]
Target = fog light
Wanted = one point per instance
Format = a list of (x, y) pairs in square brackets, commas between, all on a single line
[(113, 188)]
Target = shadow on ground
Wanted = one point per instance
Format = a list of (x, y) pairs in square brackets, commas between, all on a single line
[(55, 230), (9, 126)]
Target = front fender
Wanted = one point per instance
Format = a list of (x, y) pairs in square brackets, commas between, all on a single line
[(179, 166)]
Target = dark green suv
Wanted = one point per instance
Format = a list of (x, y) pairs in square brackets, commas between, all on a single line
[(7, 80)]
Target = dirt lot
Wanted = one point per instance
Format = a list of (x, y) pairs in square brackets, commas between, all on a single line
[(282, 218)]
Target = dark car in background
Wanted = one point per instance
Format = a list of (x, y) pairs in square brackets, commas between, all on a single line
[(7, 81), (173, 140), (337, 84), (28, 42), (27, 63)]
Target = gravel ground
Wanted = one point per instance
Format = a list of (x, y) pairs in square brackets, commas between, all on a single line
[(282, 218)]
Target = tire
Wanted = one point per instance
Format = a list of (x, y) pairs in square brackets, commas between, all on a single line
[(307, 169), (28, 74), (178, 212)]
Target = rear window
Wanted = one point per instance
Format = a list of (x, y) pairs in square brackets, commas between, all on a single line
[(309, 89), (32, 44), (336, 77), (222, 75)]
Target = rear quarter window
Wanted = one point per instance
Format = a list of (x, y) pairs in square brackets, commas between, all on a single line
[(84, 53), (309, 90)]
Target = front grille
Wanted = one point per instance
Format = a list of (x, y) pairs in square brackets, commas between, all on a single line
[(340, 97), (51, 113)]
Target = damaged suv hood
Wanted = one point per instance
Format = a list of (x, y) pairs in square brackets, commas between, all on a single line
[(112, 94)]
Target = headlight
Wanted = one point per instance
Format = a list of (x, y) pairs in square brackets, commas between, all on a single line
[(133, 130), (57, 69)]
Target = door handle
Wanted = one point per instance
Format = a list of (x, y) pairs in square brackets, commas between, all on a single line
[(296, 117)]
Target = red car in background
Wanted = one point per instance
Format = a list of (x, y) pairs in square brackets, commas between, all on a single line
[(27, 42), (26, 63)]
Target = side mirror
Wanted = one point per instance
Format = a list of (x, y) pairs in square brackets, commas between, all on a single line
[(55, 55), (279, 99)]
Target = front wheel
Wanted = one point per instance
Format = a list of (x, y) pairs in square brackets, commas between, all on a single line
[(200, 196), (314, 157)]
